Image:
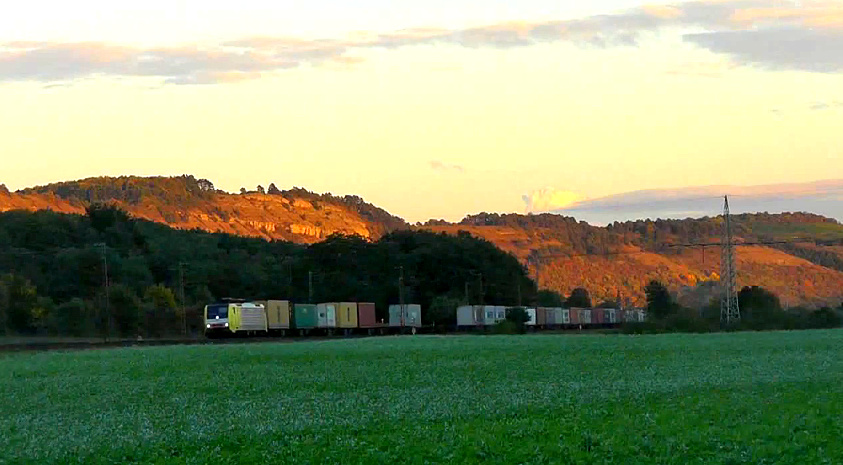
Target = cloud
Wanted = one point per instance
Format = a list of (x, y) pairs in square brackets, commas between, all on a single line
[(781, 48), (806, 36), (547, 199), (817, 106), (441, 167), (821, 197)]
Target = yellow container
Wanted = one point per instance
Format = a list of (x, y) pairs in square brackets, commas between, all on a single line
[(347, 315), (278, 314)]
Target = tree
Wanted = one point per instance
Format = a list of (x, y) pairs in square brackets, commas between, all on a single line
[(261, 189), (272, 190), (760, 308), (161, 313), (4, 189), (72, 318), (825, 317), (205, 185), (103, 216), (609, 304), (242, 190), (518, 315), (124, 307), (549, 298), (660, 303), (19, 303), (579, 298), (442, 310), (4, 307)]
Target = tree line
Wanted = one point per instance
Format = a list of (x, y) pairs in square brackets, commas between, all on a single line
[(107, 273), (760, 310)]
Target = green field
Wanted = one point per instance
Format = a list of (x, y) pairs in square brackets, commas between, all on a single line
[(722, 398)]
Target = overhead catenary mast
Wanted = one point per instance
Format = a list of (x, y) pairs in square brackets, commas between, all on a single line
[(729, 311)]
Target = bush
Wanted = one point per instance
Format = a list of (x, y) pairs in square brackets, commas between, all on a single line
[(507, 327)]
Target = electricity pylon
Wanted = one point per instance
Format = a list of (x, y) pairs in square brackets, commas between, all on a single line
[(729, 311)]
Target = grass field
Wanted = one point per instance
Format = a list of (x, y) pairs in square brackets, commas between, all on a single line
[(722, 398)]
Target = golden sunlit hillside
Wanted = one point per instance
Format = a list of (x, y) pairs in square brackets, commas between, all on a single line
[(615, 261)]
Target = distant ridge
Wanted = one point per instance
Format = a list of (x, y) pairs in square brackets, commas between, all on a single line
[(562, 251)]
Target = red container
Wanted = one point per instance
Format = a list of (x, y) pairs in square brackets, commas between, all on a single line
[(598, 316), (575, 315), (541, 316), (366, 315)]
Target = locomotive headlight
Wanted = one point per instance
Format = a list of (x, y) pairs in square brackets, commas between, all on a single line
[(208, 326), (226, 325)]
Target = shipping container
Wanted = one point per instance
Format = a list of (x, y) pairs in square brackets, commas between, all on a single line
[(576, 314), (326, 315), (541, 316), (412, 315), (366, 316), (479, 314), (598, 316), (531, 315), (611, 315), (566, 316), (247, 317), (550, 317), (465, 316), (277, 313), (304, 316), (585, 316), (347, 315), (553, 316), (491, 314)]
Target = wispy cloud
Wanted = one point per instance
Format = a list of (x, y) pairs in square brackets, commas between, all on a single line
[(806, 36), (441, 167), (822, 197), (817, 106)]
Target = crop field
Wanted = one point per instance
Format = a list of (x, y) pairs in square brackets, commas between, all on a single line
[(723, 398)]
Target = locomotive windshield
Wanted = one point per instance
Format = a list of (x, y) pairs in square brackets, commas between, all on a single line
[(217, 311)]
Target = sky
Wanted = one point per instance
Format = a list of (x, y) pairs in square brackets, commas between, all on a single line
[(433, 109)]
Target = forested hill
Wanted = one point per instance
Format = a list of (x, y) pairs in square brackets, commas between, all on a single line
[(564, 253), (185, 202), (620, 259), (53, 268)]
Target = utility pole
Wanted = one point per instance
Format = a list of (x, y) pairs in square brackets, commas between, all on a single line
[(107, 323), (401, 294), (729, 311), (183, 312), (310, 286)]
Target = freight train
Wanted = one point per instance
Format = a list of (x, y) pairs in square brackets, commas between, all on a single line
[(280, 317), (481, 316)]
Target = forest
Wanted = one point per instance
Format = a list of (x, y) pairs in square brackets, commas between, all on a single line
[(56, 268)]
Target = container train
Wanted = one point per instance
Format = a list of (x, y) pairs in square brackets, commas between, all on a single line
[(280, 317), (480, 316)]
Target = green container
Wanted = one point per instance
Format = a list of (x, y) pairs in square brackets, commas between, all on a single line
[(304, 316)]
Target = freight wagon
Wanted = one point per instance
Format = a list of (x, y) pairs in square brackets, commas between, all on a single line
[(484, 316)]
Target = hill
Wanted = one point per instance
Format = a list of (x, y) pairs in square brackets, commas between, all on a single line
[(563, 253), (620, 259), (185, 202)]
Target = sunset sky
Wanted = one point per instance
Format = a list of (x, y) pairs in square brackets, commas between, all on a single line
[(430, 109)]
